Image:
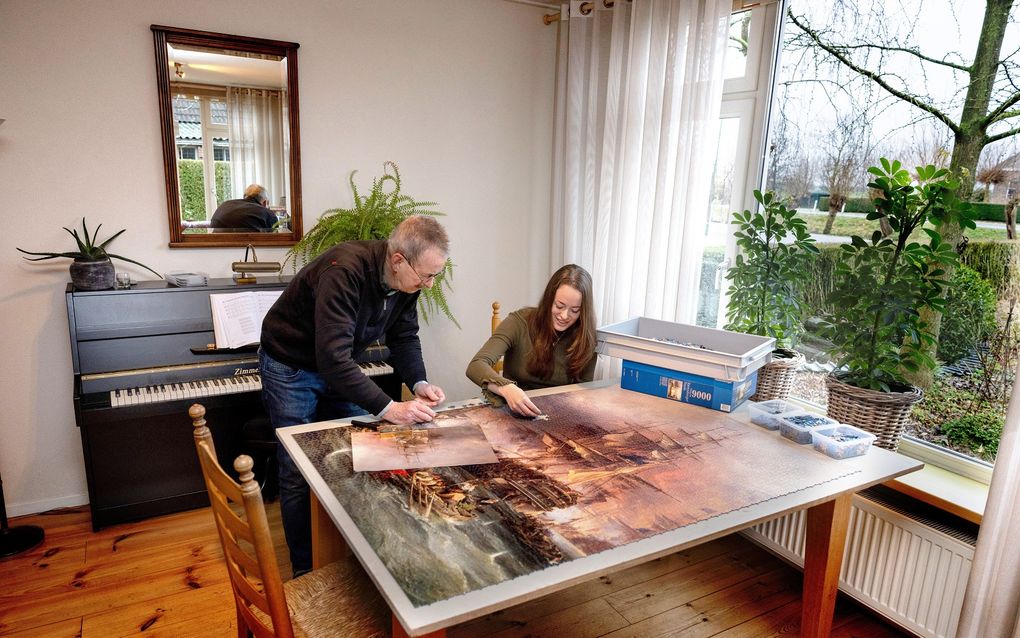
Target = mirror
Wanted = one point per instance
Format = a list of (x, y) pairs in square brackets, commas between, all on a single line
[(228, 110)]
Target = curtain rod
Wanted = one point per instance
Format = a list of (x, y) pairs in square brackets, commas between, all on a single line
[(585, 8)]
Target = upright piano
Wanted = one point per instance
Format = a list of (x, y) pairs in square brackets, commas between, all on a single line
[(141, 357)]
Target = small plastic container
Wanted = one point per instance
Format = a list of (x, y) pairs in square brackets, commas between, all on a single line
[(842, 441), (767, 413), (798, 427)]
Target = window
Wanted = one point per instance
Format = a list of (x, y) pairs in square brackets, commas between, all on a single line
[(737, 162), (829, 121), (200, 123)]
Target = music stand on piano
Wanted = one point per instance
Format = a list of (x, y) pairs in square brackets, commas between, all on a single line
[(15, 540)]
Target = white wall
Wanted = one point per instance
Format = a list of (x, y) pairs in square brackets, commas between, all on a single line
[(458, 92)]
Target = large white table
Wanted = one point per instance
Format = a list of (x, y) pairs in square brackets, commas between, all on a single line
[(828, 510)]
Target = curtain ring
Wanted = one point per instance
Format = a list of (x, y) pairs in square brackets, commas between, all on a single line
[(608, 3), (586, 8)]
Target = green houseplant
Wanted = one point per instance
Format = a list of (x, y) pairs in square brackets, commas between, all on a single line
[(881, 286), (767, 283), (374, 216), (91, 268)]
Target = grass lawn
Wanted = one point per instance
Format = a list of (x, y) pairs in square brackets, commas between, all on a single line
[(846, 226)]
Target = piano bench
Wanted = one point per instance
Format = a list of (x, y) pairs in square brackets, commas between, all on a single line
[(259, 442)]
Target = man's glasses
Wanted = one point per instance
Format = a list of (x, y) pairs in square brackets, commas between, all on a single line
[(422, 279)]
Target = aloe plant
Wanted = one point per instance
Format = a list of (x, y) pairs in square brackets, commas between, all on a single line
[(374, 216), (89, 248)]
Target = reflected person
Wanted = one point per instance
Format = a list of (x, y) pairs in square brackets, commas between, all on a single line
[(551, 345), (353, 295), (249, 214)]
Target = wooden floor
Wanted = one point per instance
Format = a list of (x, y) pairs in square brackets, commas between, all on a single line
[(165, 577)]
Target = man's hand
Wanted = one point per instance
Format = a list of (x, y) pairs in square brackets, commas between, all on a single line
[(409, 412), (517, 400), (429, 394)]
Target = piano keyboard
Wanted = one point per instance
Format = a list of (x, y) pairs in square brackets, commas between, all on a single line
[(122, 397)]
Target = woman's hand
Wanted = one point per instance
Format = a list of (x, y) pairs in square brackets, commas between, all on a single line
[(516, 399)]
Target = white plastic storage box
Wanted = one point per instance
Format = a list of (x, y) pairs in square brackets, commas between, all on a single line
[(705, 352), (687, 388), (767, 413), (798, 427), (842, 441)]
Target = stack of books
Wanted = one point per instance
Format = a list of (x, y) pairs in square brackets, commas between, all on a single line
[(182, 279)]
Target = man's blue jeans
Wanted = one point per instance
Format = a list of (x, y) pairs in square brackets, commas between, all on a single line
[(293, 396)]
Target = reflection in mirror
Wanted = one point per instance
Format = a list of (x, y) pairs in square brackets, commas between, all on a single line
[(230, 138)]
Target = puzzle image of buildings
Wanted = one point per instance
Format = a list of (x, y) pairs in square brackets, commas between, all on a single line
[(601, 468)]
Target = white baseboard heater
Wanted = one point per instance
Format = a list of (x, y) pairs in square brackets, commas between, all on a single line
[(904, 559)]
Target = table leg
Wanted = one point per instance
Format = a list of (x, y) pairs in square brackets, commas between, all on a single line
[(827, 525), (399, 632), (327, 543)]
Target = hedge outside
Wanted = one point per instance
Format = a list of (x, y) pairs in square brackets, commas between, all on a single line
[(989, 212), (998, 263), (191, 182), (853, 204)]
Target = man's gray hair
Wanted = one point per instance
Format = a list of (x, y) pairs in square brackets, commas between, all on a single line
[(416, 235), (256, 191)]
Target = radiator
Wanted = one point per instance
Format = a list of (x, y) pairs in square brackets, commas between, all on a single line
[(906, 564)]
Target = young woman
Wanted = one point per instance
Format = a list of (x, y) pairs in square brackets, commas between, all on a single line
[(551, 345)]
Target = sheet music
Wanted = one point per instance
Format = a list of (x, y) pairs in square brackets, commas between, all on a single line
[(237, 317)]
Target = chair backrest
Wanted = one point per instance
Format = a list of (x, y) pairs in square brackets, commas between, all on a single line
[(245, 537), (495, 324)]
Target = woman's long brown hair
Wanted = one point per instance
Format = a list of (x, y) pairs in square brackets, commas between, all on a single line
[(580, 336)]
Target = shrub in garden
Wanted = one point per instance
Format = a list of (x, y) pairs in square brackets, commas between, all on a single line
[(980, 432), (969, 317)]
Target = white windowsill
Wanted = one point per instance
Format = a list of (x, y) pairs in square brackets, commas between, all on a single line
[(949, 481)]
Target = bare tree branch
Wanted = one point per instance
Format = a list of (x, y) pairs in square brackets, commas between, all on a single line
[(1000, 112), (914, 52), (874, 77), (1001, 136)]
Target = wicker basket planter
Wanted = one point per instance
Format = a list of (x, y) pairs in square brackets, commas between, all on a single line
[(775, 379), (884, 414)]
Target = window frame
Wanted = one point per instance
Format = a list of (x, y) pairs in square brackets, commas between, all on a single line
[(765, 37)]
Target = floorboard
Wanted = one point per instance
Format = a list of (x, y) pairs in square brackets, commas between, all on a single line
[(165, 577)]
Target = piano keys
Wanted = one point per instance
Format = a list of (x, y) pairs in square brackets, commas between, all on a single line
[(140, 359), (202, 388)]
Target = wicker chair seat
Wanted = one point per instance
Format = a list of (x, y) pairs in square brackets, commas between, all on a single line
[(314, 599)]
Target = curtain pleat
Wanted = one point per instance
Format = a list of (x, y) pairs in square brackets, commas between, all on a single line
[(259, 140), (991, 604), (639, 89)]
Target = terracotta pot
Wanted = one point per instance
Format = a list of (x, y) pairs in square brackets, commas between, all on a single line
[(92, 275)]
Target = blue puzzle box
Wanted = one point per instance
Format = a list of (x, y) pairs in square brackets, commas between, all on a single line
[(706, 392)]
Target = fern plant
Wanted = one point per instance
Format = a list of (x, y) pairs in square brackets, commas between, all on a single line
[(374, 216)]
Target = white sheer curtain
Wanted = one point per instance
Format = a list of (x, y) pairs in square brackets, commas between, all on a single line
[(257, 126), (991, 606), (638, 101)]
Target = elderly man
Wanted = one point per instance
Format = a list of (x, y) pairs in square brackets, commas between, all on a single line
[(248, 214), (354, 294)]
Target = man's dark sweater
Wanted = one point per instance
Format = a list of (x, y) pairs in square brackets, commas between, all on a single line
[(246, 214), (336, 307)]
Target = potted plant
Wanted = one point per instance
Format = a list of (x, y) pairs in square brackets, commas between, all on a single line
[(881, 285), (91, 268), (766, 286), (374, 216)]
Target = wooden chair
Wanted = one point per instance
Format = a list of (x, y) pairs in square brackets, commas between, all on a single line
[(336, 600), (495, 324)]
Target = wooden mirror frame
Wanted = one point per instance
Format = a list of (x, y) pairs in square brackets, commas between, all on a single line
[(162, 36)]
